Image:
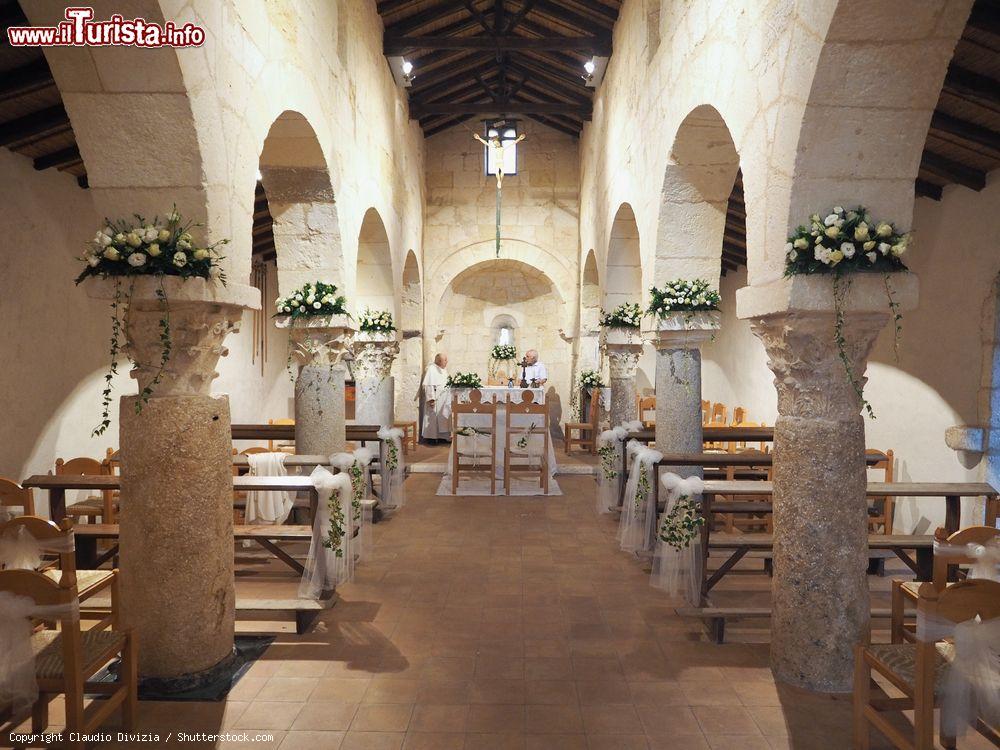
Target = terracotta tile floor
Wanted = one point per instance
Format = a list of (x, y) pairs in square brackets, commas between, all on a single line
[(485, 623)]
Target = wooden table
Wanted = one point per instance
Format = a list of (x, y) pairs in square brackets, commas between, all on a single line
[(716, 434), (355, 432), (56, 485)]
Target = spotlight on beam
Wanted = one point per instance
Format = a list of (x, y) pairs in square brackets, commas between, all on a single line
[(402, 71), (594, 71)]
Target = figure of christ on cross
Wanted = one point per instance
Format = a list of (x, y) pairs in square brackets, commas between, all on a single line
[(497, 147)]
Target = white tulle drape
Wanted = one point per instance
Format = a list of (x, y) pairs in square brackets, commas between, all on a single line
[(18, 687), (268, 506), (609, 477), (985, 557), (971, 685), (20, 550), (324, 569), (678, 571), (393, 492), (637, 527)]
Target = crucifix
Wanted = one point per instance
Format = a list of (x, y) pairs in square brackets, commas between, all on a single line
[(496, 150)]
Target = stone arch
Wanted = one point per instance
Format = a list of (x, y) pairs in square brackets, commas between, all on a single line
[(374, 285), (409, 365), (697, 182), (848, 154), (590, 294), (296, 181), (623, 269)]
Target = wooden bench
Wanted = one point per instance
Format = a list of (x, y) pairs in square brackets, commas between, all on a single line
[(716, 617), (87, 536)]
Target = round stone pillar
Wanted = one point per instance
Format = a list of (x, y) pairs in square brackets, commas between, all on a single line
[(820, 598), (678, 339), (373, 381), (318, 345), (623, 347), (176, 521)]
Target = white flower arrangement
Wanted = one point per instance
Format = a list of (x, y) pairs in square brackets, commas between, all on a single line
[(312, 300), (591, 379), (626, 315), (503, 352), (682, 295), (378, 321), (464, 380)]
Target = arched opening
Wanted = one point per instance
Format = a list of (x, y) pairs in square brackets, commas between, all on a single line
[(590, 295), (697, 185), (299, 197), (408, 367), (374, 286), (623, 277)]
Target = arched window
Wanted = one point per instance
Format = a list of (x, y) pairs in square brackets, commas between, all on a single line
[(504, 330)]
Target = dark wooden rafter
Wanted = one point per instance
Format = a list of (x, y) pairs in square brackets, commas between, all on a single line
[(953, 171), (33, 125), (25, 79), (985, 16), (594, 45), (969, 84)]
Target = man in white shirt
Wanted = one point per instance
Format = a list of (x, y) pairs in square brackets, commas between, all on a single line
[(535, 370), (435, 425)]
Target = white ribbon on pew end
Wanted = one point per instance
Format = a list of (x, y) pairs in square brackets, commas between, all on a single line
[(986, 557), (637, 528), (970, 690), (270, 507), (678, 571), (20, 550), (324, 569), (393, 471), (609, 479), (18, 686)]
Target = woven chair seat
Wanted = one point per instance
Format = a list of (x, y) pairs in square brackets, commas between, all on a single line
[(901, 658), (92, 506), (87, 581), (98, 646)]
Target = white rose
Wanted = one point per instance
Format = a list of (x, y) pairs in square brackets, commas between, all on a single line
[(112, 254), (899, 249), (93, 260), (870, 245), (317, 305), (872, 256), (136, 259), (847, 249), (838, 209), (295, 303), (180, 260), (108, 231), (200, 254), (793, 255), (884, 247), (298, 297), (183, 244), (150, 234), (133, 239), (861, 232), (119, 237), (788, 247), (153, 250), (163, 235), (831, 220), (836, 256), (101, 239), (310, 299), (801, 243), (832, 232), (883, 230)]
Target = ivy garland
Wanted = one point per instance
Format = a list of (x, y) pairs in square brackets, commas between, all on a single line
[(641, 490), (609, 460), (335, 535), (392, 456), (356, 473), (682, 523)]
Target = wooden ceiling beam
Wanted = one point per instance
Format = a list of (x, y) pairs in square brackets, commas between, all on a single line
[(525, 9), (458, 71), (548, 122), (564, 81), (925, 189), (25, 79), (444, 125), (967, 83), (507, 108), (62, 158), (967, 131), (43, 121), (569, 17), (400, 45), (391, 6), (418, 20), (985, 17), (953, 171)]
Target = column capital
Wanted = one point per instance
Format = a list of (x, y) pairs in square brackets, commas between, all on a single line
[(862, 293), (199, 314), (685, 330), (374, 353), (623, 360), (321, 339)]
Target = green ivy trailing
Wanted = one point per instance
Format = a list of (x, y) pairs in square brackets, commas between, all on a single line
[(464, 380), (609, 460), (681, 524), (844, 242), (357, 474), (392, 456), (641, 489), (158, 248), (335, 535)]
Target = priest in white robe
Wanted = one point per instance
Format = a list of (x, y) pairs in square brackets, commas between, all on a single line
[(434, 385), (535, 370)]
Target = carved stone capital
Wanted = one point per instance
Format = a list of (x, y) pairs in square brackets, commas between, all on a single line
[(373, 355), (809, 374), (685, 330), (623, 359), (322, 340)]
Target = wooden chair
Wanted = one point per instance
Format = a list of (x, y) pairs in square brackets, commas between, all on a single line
[(102, 505), (916, 668), (13, 495), (67, 658), (645, 405), (476, 406), (87, 582), (882, 509), (719, 413), (904, 592), (409, 440), (529, 416), (281, 446), (586, 431), (716, 446), (706, 411), (739, 416), (744, 521)]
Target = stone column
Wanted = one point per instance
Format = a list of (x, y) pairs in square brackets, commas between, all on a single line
[(820, 607), (678, 339), (176, 521), (319, 345), (623, 347), (373, 356)]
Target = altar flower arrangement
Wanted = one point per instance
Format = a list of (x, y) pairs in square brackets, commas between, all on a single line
[(845, 241), (317, 299), (626, 315), (376, 321), (129, 248), (682, 295), (591, 379), (464, 380), (503, 352)]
